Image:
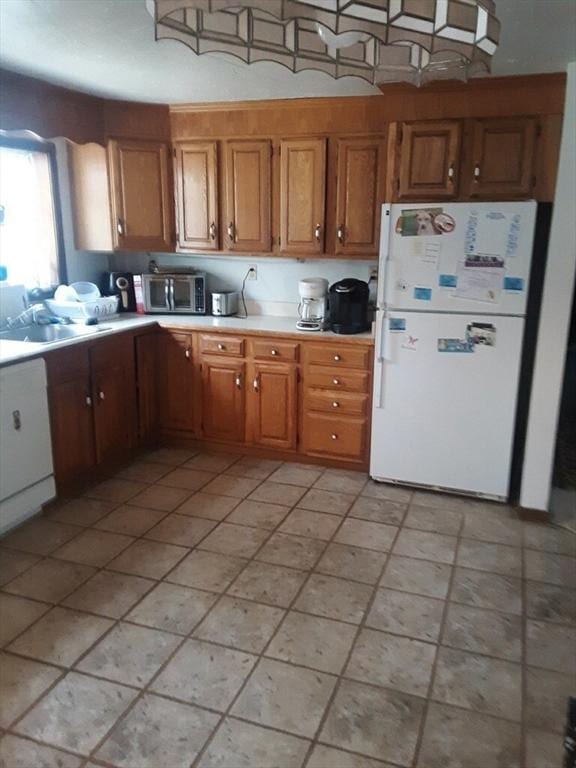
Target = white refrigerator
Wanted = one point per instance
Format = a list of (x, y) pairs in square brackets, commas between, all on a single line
[(452, 288)]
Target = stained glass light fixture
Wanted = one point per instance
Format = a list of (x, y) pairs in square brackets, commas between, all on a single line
[(378, 40)]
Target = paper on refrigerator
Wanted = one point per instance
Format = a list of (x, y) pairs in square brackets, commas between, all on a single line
[(479, 283)]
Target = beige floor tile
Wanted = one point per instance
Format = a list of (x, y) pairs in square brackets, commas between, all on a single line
[(258, 514), (352, 563), (454, 738), (363, 533), (84, 512), (551, 647), (161, 497), (480, 631), (294, 474), (477, 682), (341, 481), (172, 608), (272, 584), (494, 528), (294, 551), (207, 570), (14, 563), (207, 505), (144, 471), (550, 603), (205, 674), (109, 594), (546, 699), (426, 546), (316, 525), (129, 654), (278, 493), (487, 590), (549, 539), (65, 717), (326, 501), (550, 568), (236, 540), (496, 558), (334, 598), (50, 580), (405, 614), (285, 697), (543, 750), (148, 559), (22, 753), (395, 662), (419, 576), (61, 636), (375, 490), (132, 521), (115, 489), (241, 624), (182, 530), (16, 614), (170, 456), (390, 722), (378, 510), (250, 466), (158, 732), (93, 547), (244, 745), (229, 485), (22, 681), (188, 479), (435, 520), (452, 502), (212, 462), (309, 641), (39, 536), (328, 757)]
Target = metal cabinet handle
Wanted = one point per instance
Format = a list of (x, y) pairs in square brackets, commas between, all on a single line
[(101, 395), (337, 358), (451, 172), (255, 384), (88, 401), (232, 231), (340, 234), (274, 352), (476, 172), (167, 295), (187, 354), (317, 232), (213, 231), (238, 381), (335, 404), (221, 347), (336, 381), (120, 227), (16, 420), (334, 436)]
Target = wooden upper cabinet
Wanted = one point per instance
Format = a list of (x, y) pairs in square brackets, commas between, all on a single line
[(274, 415), (141, 203), (196, 175), (429, 160), (502, 157), (223, 397), (359, 195), (302, 195), (248, 195)]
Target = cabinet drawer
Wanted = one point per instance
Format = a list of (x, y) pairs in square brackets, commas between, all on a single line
[(268, 349), (340, 355), (336, 402), (222, 345), (334, 436), (336, 380)]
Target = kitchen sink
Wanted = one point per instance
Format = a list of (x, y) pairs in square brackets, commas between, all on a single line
[(48, 334)]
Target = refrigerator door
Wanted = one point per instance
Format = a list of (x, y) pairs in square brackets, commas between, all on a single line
[(426, 258), (445, 419)]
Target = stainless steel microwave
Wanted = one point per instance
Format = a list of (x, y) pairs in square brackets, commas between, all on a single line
[(174, 293)]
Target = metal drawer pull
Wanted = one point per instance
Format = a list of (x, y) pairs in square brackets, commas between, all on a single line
[(88, 401), (335, 404), (213, 231), (476, 171), (255, 384), (231, 231), (120, 227), (451, 172), (336, 381), (334, 436), (187, 354), (337, 358), (17, 420), (317, 232), (274, 352), (221, 347), (101, 395), (239, 381), (340, 234)]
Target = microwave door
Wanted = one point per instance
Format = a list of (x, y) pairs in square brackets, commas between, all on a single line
[(182, 294), (158, 294)]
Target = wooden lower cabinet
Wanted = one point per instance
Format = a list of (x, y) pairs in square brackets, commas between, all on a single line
[(273, 417), (223, 399), (336, 436), (147, 381), (176, 381)]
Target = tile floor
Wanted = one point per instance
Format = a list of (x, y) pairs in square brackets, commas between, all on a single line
[(219, 611)]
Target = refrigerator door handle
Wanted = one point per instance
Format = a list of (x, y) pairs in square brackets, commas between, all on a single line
[(379, 361), (384, 253)]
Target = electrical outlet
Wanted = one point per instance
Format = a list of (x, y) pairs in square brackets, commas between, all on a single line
[(252, 272)]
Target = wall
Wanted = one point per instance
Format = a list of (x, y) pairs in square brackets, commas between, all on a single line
[(554, 319)]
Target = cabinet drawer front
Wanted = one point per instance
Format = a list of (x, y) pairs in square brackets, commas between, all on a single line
[(268, 349), (334, 436), (336, 402), (338, 355), (222, 345), (336, 380)]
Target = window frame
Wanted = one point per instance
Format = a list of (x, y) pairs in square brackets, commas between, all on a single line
[(49, 149)]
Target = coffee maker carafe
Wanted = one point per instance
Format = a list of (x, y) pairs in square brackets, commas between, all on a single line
[(312, 307)]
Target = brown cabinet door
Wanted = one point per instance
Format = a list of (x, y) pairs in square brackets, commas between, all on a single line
[(429, 160), (223, 411), (359, 195), (502, 157), (247, 213), (334, 436), (72, 430), (176, 375), (142, 211), (197, 195), (147, 369), (302, 195), (274, 415)]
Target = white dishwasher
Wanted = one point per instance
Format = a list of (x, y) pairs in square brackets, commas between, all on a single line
[(26, 469)]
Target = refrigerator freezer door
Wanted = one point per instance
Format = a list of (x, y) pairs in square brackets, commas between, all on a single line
[(425, 269), (446, 418)]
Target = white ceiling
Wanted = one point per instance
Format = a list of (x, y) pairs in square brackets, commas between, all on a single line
[(107, 47)]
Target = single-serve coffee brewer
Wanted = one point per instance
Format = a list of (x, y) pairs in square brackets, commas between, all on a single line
[(313, 304)]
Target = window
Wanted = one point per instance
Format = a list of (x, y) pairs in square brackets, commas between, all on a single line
[(30, 230)]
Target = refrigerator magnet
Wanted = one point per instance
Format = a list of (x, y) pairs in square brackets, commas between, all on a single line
[(514, 284), (455, 345), (481, 333), (447, 281), (423, 294), (397, 324)]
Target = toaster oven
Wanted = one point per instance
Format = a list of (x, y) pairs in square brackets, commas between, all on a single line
[(164, 293)]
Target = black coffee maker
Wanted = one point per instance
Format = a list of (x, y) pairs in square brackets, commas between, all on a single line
[(348, 306), (120, 284)]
